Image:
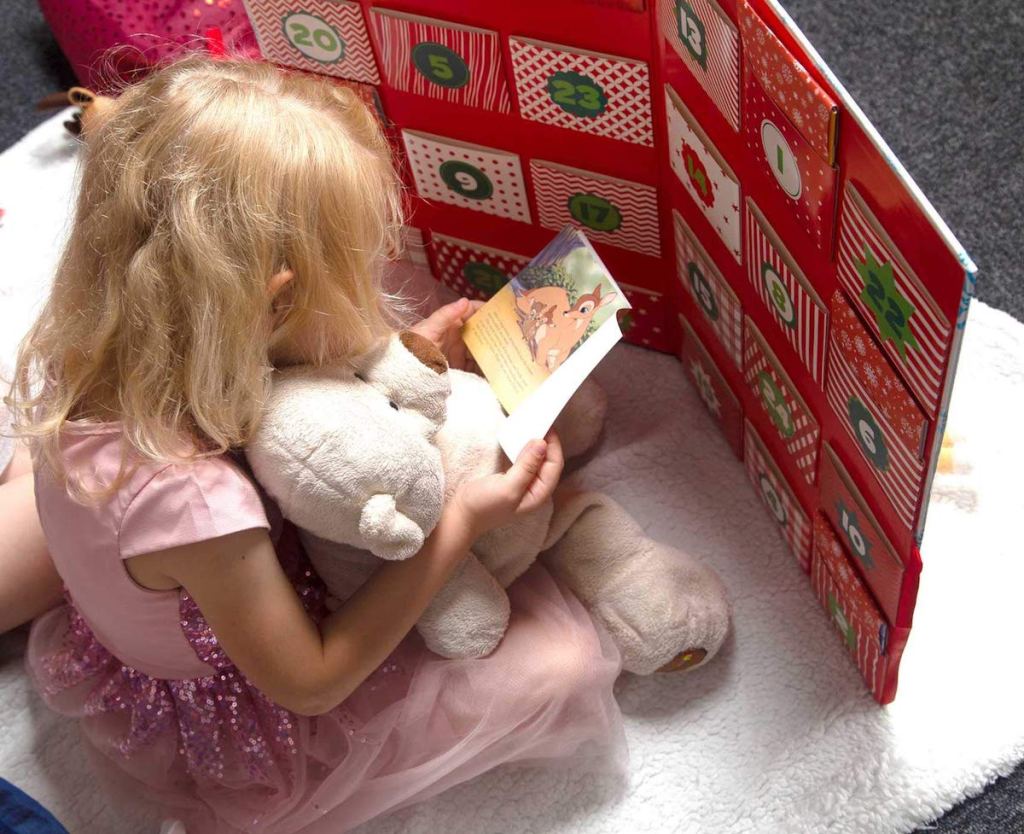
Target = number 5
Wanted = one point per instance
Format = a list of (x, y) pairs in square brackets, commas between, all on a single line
[(440, 67)]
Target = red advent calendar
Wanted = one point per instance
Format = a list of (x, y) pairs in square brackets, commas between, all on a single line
[(763, 231)]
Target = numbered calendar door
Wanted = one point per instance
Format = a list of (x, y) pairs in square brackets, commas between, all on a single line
[(323, 36), (470, 176), (473, 270), (437, 59), (785, 409), (584, 91), (614, 211)]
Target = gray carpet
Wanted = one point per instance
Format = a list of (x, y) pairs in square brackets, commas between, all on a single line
[(942, 81)]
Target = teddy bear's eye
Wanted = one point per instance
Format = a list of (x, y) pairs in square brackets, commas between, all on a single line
[(393, 404)]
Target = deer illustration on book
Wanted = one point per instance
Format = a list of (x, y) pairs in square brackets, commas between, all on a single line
[(553, 324)]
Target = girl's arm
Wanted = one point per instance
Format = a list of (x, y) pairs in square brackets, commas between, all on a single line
[(259, 621)]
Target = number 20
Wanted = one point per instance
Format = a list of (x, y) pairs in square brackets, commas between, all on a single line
[(322, 38)]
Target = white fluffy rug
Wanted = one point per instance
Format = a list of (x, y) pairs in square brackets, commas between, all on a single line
[(778, 734)]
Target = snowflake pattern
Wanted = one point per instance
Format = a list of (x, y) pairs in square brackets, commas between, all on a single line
[(803, 100)]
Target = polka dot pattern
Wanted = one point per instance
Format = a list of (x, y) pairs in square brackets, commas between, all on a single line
[(501, 169), (815, 202)]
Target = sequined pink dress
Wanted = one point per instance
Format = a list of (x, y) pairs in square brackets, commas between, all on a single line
[(175, 720)]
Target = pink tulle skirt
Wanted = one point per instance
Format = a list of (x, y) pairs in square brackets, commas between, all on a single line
[(218, 754)]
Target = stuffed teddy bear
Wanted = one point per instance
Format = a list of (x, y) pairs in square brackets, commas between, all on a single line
[(362, 455)]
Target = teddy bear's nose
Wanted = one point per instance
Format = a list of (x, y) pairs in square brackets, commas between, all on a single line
[(425, 350)]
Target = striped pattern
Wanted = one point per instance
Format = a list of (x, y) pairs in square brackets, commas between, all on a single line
[(793, 420), (898, 469), (625, 84), (704, 173), (346, 18), (555, 185), (849, 607), (427, 153), (800, 314), (710, 291), (782, 505), (398, 35), (860, 236), (472, 270), (718, 42)]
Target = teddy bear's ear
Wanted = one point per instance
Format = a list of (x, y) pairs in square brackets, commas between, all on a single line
[(424, 350)]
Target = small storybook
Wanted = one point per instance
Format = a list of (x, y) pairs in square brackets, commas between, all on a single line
[(543, 333)]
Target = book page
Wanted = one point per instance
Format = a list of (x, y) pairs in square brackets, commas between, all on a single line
[(543, 333)]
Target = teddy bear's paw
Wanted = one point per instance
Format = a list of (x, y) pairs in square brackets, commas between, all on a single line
[(467, 618), (668, 613), (387, 533)]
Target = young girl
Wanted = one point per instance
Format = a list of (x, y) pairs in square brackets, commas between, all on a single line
[(233, 218)]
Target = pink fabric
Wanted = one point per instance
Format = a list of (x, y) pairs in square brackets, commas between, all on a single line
[(173, 720), (143, 32)]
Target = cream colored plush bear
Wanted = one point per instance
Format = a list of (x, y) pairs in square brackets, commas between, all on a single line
[(362, 456)]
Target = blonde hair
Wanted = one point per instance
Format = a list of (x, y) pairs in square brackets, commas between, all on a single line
[(207, 178)]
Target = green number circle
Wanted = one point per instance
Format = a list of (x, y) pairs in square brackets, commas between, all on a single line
[(577, 94), (690, 29), (703, 291), (314, 37), (771, 498), (595, 212), (466, 180), (485, 277), (440, 65), (774, 403), (779, 295), (868, 434)]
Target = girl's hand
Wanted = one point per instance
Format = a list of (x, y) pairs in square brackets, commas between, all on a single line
[(443, 327), (494, 500)]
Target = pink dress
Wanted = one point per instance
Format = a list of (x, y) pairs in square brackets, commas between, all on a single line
[(175, 721)]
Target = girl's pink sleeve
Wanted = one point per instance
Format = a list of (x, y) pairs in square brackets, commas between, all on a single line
[(188, 503)]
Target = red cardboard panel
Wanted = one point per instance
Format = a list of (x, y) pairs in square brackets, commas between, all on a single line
[(802, 183), (896, 305), (850, 607), (470, 269), (440, 60), (710, 291), (876, 409), (778, 497), (785, 410), (807, 104), (646, 323), (799, 312), (850, 515), (722, 404), (707, 41)]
